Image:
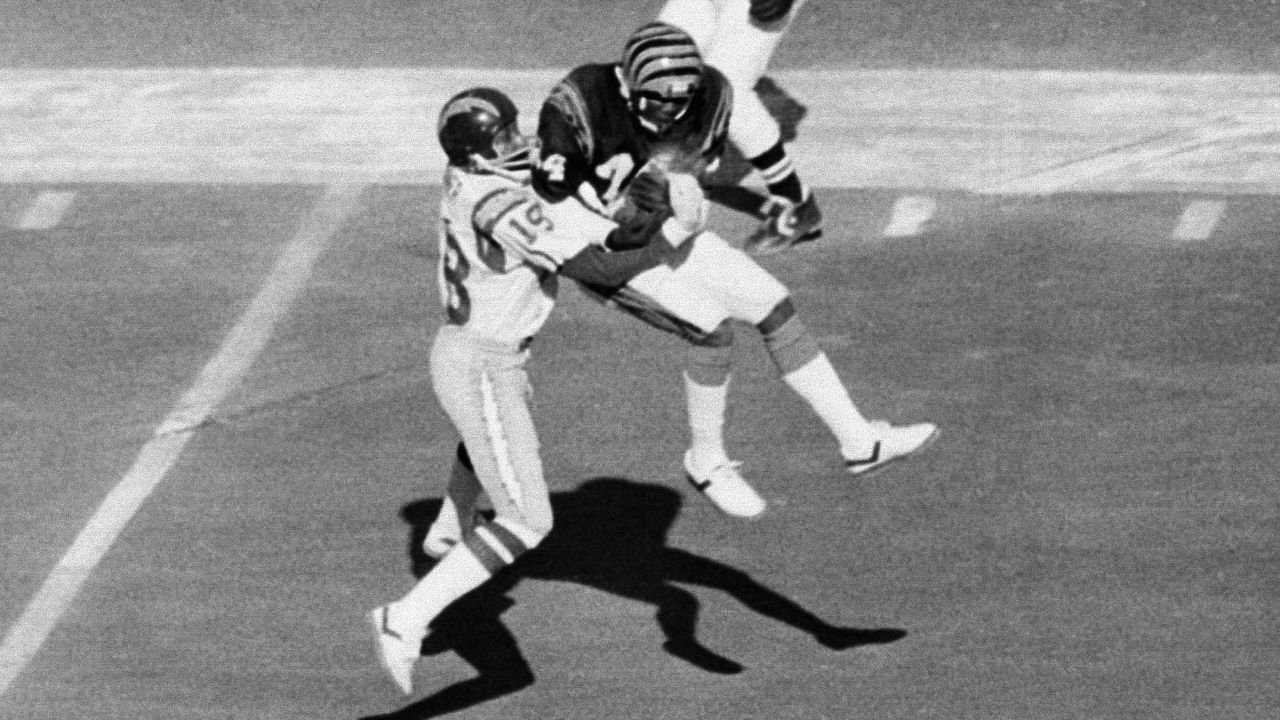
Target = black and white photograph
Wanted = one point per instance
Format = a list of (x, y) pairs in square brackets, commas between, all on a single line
[(640, 359)]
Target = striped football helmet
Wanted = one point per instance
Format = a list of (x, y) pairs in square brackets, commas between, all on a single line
[(662, 70), (479, 132)]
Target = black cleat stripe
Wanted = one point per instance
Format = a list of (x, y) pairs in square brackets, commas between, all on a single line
[(386, 624), (699, 486), (875, 456)]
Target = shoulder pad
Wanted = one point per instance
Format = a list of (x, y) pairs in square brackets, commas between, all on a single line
[(572, 98), (492, 207)]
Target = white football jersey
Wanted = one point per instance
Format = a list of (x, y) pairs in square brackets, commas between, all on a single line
[(500, 249)]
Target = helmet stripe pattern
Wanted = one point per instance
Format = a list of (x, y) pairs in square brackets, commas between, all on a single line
[(662, 59)]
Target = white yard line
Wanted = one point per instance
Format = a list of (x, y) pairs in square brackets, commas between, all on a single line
[(219, 377), (46, 211), (910, 215), (1001, 132), (1199, 220)]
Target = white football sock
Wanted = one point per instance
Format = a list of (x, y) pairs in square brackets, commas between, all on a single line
[(819, 385), (706, 406), (457, 574)]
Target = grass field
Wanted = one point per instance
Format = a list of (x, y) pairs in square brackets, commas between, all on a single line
[(1093, 536)]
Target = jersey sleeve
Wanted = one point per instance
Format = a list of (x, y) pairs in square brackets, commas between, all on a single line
[(564, 132), (541, 234), (719, 110)]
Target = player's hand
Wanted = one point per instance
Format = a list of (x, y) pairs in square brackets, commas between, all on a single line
[(649, 191), (768, 11)]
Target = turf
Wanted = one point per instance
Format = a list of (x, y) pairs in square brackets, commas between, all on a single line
[(1093, 535)]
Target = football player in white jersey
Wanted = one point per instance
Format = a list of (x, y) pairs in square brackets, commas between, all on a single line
[(606, 131), (501, 252), (739, 37)]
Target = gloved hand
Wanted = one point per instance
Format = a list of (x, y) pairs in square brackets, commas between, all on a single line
[(650, 191)]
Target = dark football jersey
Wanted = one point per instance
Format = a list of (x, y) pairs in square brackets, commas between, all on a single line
[(589, 135)]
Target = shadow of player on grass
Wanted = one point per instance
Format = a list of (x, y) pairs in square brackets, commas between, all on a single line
[(610, 534)]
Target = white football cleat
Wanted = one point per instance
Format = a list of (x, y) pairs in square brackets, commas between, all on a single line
[(725, 488), (397, 653), (892, 443), (785, 224)]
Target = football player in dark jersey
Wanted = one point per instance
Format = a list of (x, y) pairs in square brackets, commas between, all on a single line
[(607, 132), (603, 122)]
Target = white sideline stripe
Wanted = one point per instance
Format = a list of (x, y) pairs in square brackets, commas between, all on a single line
[(1199, 220), (910, 213), (219, 377), (1001, 132), (46, 211)]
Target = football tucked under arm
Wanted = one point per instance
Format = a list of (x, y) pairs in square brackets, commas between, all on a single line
[(689, 206), (655, 192)]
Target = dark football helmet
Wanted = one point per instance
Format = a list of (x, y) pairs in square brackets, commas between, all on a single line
[(479, 131), (662, 70)]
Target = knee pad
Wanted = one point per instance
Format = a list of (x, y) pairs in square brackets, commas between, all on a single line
[(780, 315), (711, 362), (788, 341), (500, 542), (721, 336)]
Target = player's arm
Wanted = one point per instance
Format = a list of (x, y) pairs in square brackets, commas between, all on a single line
[(660, 234), (567, 238), (658, 202), (597, 266)]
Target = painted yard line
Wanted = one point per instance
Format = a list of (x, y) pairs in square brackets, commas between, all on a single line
[(46, 211), (910, 215), (238, 351), (985, 131), (1127, 160), (1199, 220)]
